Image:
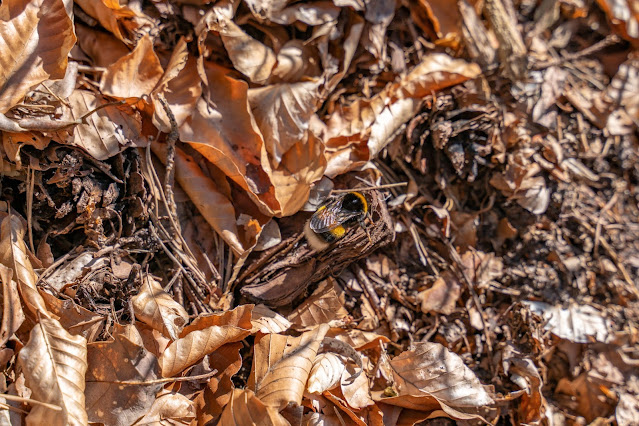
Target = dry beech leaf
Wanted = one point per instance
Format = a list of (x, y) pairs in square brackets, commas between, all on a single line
[(74, 318), (203, 337), (35, 38), (282, 112), (225, 133), (249, 56), (13, 254), (301, 167), (135, 74), (281, 366), (169, 409), (103, 48), (577, 323), (358, 339), (108, 13), (431, 376), (267, 321), (246, 409), (442, 296), (326, 372), (203, 192), (123, 359), (155, 307), (322, 306), (180, 85), (356, 391), (12, 314), (217, 393), (108, 131), (54, 364)]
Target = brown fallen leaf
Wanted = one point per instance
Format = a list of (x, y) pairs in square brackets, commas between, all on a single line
[(122, 360), (322, 306), (109, 14), (74, 318), (205, 336), (135, 74), (107, 131), (267, 321), (169, 409), (218, 391), (54, 364), (326, 372), (13, 254), (155, 307), (442, 296), (246, 409), (249, 56), (356, 388), (431, 377), (12, 314), (281, 366), (35, 39)]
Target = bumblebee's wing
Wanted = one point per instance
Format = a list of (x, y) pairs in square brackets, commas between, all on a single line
[(330, 216)]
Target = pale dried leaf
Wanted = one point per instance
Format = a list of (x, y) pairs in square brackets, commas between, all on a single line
[(12, 314), (627, 411), (433, 371), (35, 39), (169, 409), (322, 306), (225, 133), (246, 409), (249, 56), (326, 372), (54, 364), (356, 391), (135, 74), (108, 131), (155, 307), (282, 112), (211, 203), (123, 359), (205, 336), (74, 318), (13, 254), (577, 323), (180, 85), (441, 297), (267, 321), (281, 366)]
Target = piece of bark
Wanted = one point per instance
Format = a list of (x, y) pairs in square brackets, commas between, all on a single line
[(284, 273)]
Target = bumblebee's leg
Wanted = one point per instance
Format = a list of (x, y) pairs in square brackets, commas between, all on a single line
[(362, 224)]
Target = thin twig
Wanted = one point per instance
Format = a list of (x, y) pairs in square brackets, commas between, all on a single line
[(31, 401), (157, 381)]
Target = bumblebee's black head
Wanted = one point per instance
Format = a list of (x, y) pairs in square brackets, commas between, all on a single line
[(355, 202)]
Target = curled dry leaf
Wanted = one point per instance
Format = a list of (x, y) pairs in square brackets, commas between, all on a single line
[(356, 388), (123, 359), (54, 364), (169, 409), (267, 321), (431, 377), (203, 337), (135, 74), (246, 409), (107, 131), (12, 314), (442, 296), (13, 254), (155, 307), (326, 372), (249, 56), (281, 366), (282, 112), (108, 14), (218, 391), (74, 318), (180, 85), (210, 202), (35, 39), (225, 133)]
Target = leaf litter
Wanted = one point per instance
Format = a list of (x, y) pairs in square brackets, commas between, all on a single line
[(159, 161)]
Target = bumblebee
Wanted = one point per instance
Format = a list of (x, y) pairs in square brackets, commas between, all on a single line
[(330, 221)]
